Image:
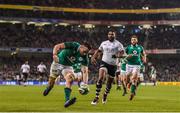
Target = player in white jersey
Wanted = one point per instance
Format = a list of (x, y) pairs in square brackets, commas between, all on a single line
[(110, 49), (25, 69), (41, 68), (153, 74)]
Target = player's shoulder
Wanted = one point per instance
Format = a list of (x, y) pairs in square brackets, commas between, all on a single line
[(72, 43), (105, 42), (140, 46), (76, 43), (118, 42), (128, 46)]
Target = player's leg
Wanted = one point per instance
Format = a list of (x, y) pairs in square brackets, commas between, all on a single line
[(54, 72), (129, 70), (154, 79), (40, 78), (69, 77), (102, 74), (124, 83), (134, 80), (140, 79), (110, 79), (79, 78), (25, 76), (118, 80), (50, 85)]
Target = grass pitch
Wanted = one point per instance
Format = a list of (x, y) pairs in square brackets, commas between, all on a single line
[(30, 99)]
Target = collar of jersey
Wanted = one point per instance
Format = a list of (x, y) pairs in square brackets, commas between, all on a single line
[(135, 45), (113, 41), (78, 48)]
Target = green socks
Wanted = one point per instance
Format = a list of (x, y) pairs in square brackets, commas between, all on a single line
[(67, 92), (133, 88)]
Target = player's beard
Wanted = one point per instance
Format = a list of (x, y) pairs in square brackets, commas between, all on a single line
[(111, 39), (134, 44)]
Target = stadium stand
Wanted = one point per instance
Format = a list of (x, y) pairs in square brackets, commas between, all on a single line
[(19, 35), (23, 35)]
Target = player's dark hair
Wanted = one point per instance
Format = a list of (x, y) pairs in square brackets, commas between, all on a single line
[(87, 45), (111, 30)]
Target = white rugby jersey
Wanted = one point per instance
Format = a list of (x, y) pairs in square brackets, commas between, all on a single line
[(110, 48), (25, 68), (41, 68)]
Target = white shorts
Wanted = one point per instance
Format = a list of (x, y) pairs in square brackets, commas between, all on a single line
[(153, 76), (58, 69), (78, 75), (133, 69), (123, 73), (118, 67), (141, 76)]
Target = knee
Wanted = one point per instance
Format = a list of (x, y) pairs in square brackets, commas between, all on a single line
[(52, 81), (99, 84), (69, 77)]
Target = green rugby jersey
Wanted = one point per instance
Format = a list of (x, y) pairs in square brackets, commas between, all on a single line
[(123, 64), (77, 67), (71, 55), (136, 51)]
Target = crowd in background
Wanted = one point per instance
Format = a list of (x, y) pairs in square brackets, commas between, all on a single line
[(18, 35), (167, 69)]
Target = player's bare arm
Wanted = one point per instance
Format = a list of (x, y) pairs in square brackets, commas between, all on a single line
[(56, 49), (94, 57), (85, 71), (144, 57), (119, 54)]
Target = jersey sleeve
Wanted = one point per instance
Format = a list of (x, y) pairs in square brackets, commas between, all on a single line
[(121, 47), (101, 47), (142, 49), (29, 67), (72, 45), (126, 50)]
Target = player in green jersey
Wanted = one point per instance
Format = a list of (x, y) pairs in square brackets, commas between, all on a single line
[(141, 74), (65, 55), (134, 52), (123, 75)]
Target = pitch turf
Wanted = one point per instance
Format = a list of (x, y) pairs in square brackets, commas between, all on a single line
[(30, 99)]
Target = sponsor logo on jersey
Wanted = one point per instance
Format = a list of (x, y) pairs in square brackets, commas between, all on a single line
[(135, 52)]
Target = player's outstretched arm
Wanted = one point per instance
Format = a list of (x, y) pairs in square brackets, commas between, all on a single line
[(85, 74), (55, 51), (144, 57), (94, 57)]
